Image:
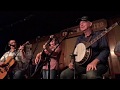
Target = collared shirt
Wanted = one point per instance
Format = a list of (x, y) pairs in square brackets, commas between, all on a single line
[(12, 54), (19, 64), (100, 48)]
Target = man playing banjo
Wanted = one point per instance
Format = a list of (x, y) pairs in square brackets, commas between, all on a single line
[(93, 57)]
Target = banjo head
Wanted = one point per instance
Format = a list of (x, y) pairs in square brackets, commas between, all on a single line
[(80, 51)]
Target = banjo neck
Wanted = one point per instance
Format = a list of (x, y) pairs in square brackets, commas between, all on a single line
[(88, 44)]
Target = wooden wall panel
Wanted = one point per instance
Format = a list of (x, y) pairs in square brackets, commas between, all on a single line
[(113, 60), (61, 60), (69, 46)]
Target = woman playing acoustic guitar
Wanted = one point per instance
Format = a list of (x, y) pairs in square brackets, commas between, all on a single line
[(48, 48)]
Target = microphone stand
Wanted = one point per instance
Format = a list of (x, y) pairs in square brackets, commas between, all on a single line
[(74, 64), (48, 58)]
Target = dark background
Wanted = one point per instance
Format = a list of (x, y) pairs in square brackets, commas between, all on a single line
[(27, 22)]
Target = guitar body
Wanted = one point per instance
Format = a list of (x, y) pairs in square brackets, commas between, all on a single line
[(3, 72), (38, 67), (4, 69), (83, 53)]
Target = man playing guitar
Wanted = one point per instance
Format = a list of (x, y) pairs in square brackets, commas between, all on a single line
[(11, 62)]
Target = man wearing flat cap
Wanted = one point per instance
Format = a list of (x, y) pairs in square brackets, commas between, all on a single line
[(92, 56)]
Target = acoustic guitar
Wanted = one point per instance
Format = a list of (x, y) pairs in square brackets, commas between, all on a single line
[(6, 66)]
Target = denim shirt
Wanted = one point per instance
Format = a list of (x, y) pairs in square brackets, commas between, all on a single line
[(100, 48)]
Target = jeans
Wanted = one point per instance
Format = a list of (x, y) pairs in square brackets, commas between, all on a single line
[(79, 70), (19, 74), (53, 74)]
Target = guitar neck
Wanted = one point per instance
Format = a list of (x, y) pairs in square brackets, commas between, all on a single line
[(102, 34)]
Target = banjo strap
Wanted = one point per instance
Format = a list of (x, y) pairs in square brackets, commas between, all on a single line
[(89, 38)]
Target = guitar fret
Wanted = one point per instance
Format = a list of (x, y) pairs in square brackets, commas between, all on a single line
[(101, 35), (98, 37)]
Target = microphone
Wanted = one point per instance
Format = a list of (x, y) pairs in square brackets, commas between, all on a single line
[(51, 36), (12, 45), (50, 39)]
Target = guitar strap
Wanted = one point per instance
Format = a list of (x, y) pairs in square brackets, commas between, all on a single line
[(88, 41)]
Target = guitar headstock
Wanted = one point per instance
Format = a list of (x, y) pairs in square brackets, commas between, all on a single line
[(26, 43), (111, 27), (114, 25)]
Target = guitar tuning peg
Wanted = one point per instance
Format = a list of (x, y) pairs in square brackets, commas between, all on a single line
[(105, 28)]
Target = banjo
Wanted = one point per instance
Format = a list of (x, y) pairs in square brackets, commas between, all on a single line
[(83, 51)]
